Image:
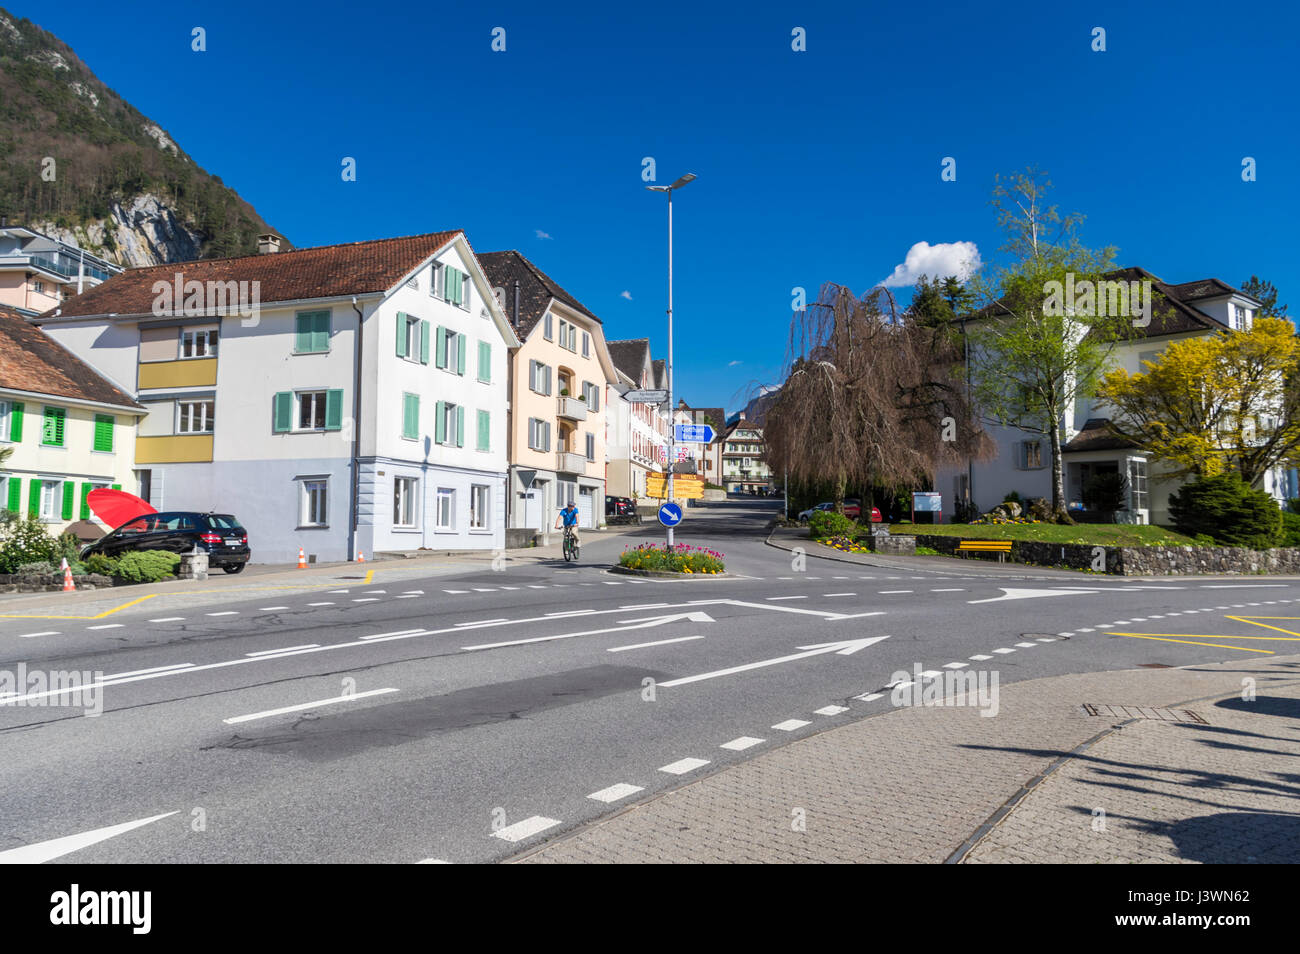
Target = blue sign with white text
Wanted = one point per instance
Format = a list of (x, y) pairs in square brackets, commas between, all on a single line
[(670, 515), (695, 433)]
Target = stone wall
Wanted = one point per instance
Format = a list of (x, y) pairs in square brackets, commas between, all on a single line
[(50, 582)]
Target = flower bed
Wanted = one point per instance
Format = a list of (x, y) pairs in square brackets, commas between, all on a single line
[(847, 544), (680, 559)]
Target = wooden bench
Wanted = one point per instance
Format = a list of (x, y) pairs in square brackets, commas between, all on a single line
[(1001, 547)]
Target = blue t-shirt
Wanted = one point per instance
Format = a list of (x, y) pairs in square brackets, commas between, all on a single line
[(570, 517)]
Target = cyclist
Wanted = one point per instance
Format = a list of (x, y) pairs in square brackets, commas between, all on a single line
[(569, 517)]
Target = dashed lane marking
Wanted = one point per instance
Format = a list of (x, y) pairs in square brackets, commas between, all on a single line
[(168, 619), (48, 632), (526, 828), (285, 649), (346, 697), (742, 743), (106, 626), (789, 725), (658, 642), (831, 710), (615, 792), (682, 766)]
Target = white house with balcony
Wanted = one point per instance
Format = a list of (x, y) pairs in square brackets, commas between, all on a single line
[(638, 433), (38, 272), (349, 399)]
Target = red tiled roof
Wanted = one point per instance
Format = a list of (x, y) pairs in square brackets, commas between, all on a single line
[(326, 272), (30, 360)]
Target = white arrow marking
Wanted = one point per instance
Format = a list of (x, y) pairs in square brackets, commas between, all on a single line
[(1015, 594), (57, 847), (844, 647), (636, 624)]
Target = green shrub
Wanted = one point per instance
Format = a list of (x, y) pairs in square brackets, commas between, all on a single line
[(39, 566), (26, 540), (1204, 540), (147, 566), (828, 523), (1227, 509), (1012, 497), (1290, 530), (99, 563)]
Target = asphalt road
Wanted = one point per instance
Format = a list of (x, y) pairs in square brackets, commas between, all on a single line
[(464, 717)]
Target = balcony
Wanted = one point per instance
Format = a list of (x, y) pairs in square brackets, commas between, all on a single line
[(570, 463), (573, 409)]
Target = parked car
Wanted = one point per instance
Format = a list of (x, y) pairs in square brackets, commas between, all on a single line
[(852, 510), (806, 514), (220, 534), (621, 510)]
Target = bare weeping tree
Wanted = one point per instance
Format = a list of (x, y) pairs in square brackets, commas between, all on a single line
[(872, 396)]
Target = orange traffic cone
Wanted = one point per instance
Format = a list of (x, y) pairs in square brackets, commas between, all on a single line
[(361, 557), (302, 559), (68, 585)]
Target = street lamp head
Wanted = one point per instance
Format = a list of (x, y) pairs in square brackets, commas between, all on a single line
[(684, 180)]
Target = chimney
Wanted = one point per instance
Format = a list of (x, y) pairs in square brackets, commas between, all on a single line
[(268, 244)]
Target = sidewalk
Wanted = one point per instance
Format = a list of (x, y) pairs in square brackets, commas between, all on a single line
[(1041, 781)]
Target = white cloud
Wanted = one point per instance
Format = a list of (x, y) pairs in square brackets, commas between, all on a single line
[(732, 364), (626, 294), (937, 261), (543, 235)]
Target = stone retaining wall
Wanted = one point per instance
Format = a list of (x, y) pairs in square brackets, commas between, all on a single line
[(50, 582)]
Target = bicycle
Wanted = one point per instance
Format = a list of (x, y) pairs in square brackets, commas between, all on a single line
[(570, 547)]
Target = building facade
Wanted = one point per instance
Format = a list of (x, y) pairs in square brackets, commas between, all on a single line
[(559, 395), (38, 273), (68, 430), (639, 443), (744, 458), (346, 400)]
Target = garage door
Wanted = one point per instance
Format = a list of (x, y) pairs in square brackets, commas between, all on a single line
[(586, 512)]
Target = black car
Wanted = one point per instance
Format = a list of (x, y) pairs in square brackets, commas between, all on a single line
[(220, 534), (621, 510)]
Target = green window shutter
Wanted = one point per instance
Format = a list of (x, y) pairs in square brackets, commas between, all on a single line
[(455, 288), (69, 498), (85, 504), (424, 342), (334, 409), (484, 430), (15, 494), (282, 416), (302, 333), (16, 425), (484, 361), (34, 497), (117, 487), (401, 334), (440, 423), (441, 349), (104, 432), (411, 416), (52, 427), (460, 425), (320, 336), (460, 354)]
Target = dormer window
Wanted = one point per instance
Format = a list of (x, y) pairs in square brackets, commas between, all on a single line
[(1239, 318)]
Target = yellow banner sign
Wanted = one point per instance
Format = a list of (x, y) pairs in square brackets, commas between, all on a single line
[(685, 487)]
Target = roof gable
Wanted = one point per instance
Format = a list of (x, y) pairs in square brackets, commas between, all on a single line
[(30, 360)]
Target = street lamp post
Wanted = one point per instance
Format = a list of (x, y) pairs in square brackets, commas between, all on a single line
[(672, 431)]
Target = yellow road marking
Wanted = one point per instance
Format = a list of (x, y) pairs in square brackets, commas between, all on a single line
[(1192, 642), (1251, 620), (117, 609)]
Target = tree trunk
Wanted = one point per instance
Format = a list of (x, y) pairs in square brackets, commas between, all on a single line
[(1059, 512), (838, 497)]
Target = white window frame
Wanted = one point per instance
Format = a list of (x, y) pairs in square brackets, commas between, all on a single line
[(203, 417), (586, 344), (412, 338), (6, 408), (435, 280), (313, 496), (318, 397), (480, 507), (209, 338), (445, 496), (50, 494), (449, 424), (406, 496), (548, 327), (590, 446)]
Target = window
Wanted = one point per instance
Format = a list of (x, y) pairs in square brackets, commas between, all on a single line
[(6, 420), (196, 417), (199, 344), (539, 377), (568, 336), (315, 503), (50, 499), (484, 431), (591, 394), (449, 424), (591, 447), (311, 411), (485, 362), (404, 494), (38, 287), (104, 432), (311, 332), (548, 331), (1030, 455), (480, 502), (435, 281), (410, 416), (445, 514), (454, 290), (52, 427), (1137, 484), (451, 350), (586, 345), (412, 338), (539, 434)]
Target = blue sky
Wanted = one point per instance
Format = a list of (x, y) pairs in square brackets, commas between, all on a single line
[(813, 166)]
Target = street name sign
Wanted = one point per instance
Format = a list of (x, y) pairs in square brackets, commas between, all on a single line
[(695, 433), (647, 396)]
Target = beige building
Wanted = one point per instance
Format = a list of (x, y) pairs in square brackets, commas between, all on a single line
[(560, 378)]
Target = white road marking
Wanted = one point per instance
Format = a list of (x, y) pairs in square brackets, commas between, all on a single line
[(1243, 586), (531, 586), (789, 725), (509, 587), (306, 705), (830, 710), (366, 599), (326, 603), (400, 632), (846, 647), (264, 609), (870, 696), (1009, 593), (1085, 629), (48, 632), (407, 596), (639, 606), (839, 594), (484, 589), (682, 766), (955, 665), (742, 743), (412, 592), (1026, 645), (980, 658), (484, 622), (581, 612), (286, 649), (44, 851), (167, 619), (1003, 651), (611, 582), (615, 792), (106, 626), (638, 624), (658, 642), (455, 591), (526, 828), (893, 592), (930, 674), (224, 613), (140, 672), (1046, 640), (956, 590), (787, 597), (374, 591)]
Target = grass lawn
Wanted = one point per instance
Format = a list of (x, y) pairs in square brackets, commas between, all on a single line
[(1102, 534)]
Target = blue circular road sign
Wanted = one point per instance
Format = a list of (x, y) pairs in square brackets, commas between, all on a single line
[(670, 515)]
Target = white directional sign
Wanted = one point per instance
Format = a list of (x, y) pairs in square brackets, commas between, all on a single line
[(695, 433), (647, 396)]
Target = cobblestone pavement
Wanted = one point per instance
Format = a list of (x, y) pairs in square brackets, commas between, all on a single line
[(920, 784)]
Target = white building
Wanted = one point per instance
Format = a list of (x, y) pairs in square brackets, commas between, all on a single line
[(344, 399), (638, 437)]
